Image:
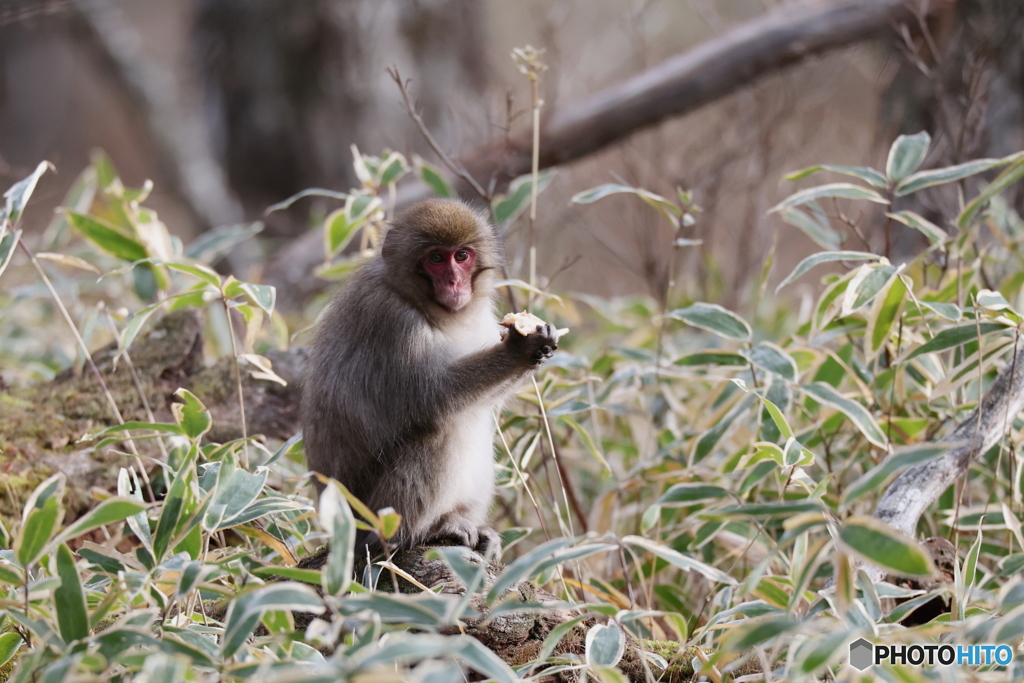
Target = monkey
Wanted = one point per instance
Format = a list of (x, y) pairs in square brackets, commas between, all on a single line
[(405, 370)]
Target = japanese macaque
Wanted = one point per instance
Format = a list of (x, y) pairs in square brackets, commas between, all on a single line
[(405, 372)]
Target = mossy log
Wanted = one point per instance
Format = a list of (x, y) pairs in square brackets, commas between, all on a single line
[(42, 426)]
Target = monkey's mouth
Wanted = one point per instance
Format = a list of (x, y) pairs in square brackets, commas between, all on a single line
[(453, 299)]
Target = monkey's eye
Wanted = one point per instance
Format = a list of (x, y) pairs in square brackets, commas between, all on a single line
[(461, 256), (436, 258)]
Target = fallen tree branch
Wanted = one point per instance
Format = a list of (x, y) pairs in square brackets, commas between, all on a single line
[(675, 87), (913, 491)]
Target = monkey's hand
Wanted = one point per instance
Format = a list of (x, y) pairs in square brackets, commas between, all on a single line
[(534, 348)]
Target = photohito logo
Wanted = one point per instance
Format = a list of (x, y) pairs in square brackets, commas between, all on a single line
[(863, 654)]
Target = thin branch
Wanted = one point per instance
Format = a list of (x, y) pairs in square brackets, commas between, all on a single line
[(454, 166)]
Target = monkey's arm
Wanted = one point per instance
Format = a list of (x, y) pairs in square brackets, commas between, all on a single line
[(447, 389)]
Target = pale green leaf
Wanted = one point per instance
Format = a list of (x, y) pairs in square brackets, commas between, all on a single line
[(833, 190), (714, 318), (827, 394), (825, 257), (875, 541), (905, 155)]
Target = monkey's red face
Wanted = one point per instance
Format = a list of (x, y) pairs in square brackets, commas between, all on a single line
[(451, 275)]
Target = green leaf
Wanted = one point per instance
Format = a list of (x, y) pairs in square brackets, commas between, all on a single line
[(670, 211), (1008, 177), (994, 301), (338, 232), (18, 194), (940, 176), (263, 296), (244, 612), (679, 560), (570, 554), (865, 173), (310, 576), (392, 168), (767, 509), (37, 530), (52, 487), (69, 598), (955, 336), (337, 520), (312, 192), (605, 644), (773, 359), (855, 412), (11, 573), (111, 510), (40, 520), (868, 282), (713, 318), (406, 648), (825, 257), (192, 416), (833, 190), (688, 493), (707, 441), (815, 225), (68, 260), (433, 177), (934, 233), (107, 237), (758, 631), (712, 358), (235, 491), (875, 541), (163, 668), (815, 652), (10, 643), (8, 241), (950, 312), (884, 314), (285, 595), (175, 504), (134, 326), (905, 155), (971, 562), (421, 609), (588, 440), (515, 201), (900, 459), (206, 275), (773, 410)]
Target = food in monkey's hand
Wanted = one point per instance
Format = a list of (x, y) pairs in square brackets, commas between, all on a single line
[(525, 324)]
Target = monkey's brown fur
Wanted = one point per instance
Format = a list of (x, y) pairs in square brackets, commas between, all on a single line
[(400, 390)]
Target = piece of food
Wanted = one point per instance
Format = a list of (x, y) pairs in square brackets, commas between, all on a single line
[(525, 324)]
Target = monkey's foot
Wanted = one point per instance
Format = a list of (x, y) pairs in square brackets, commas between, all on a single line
[(489, 543), (483, 540), (457, 529)]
